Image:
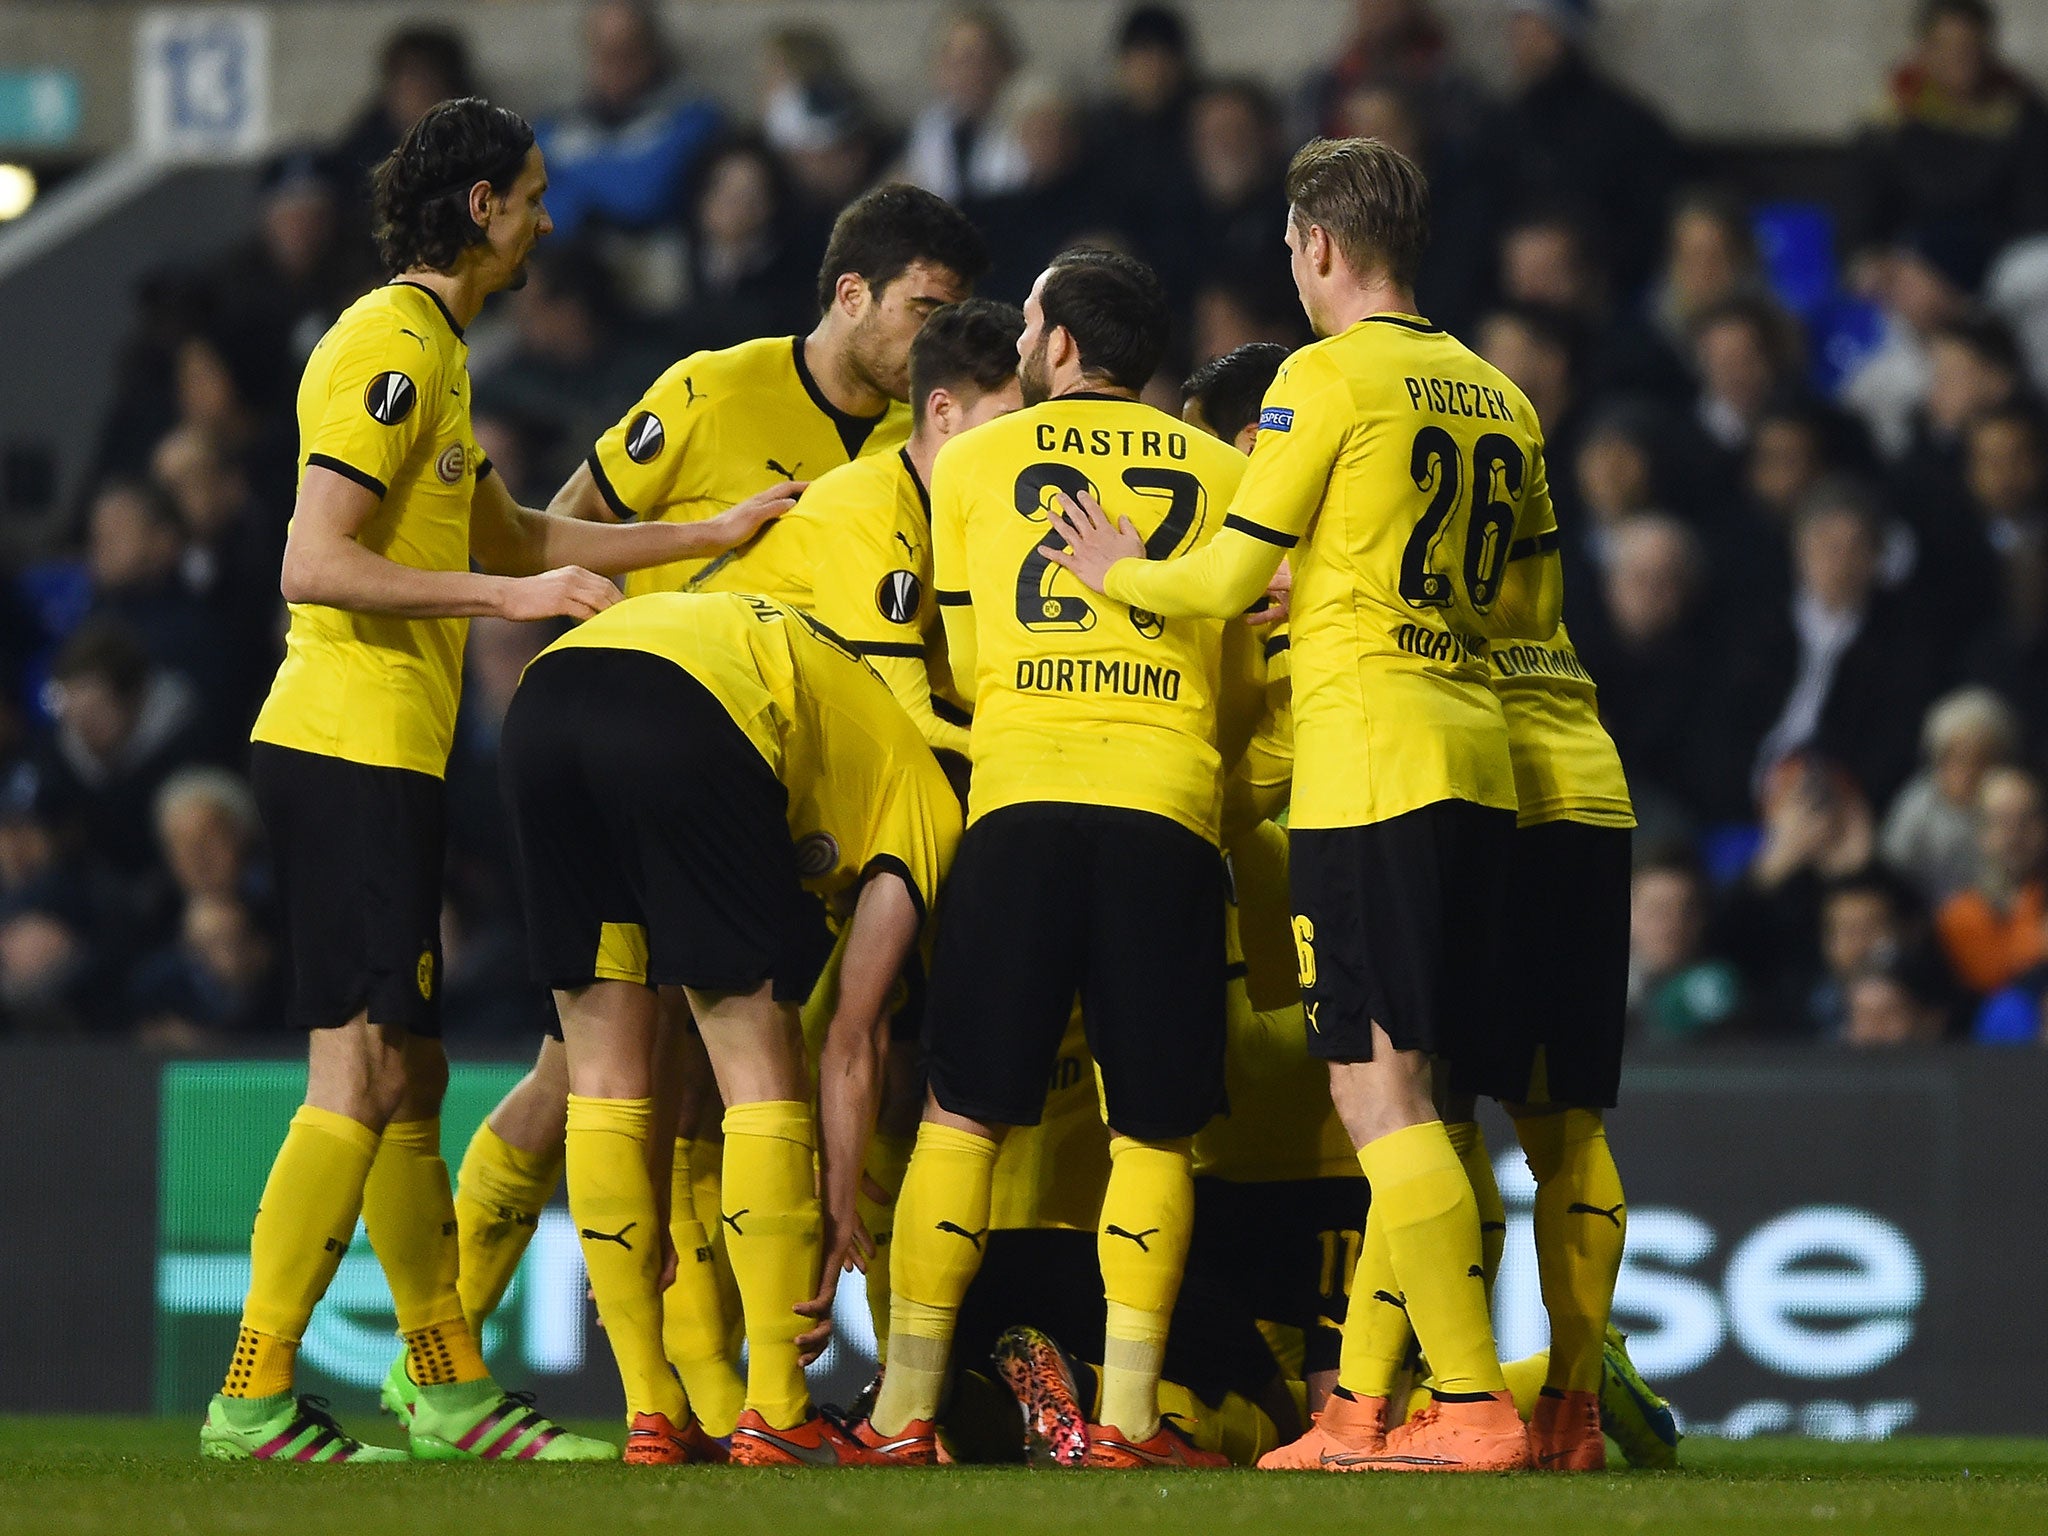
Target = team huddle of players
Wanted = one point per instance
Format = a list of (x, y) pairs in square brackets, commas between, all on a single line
[(1141, 1088)]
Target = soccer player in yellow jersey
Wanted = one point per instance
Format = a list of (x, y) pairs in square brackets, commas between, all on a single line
[(719, 426), (1090, 863), (394, 504), (856, 553), (1406, 474), (686, 774)]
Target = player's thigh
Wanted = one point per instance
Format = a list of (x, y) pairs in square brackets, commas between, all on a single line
[(585, 920), (358, 852), (1395, 923), (1005, 966), (1152, 994)]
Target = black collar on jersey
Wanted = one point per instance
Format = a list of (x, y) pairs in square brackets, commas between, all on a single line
[(853, 430), (1406, 324), (924, 497), (1096, 394), (446, 313)]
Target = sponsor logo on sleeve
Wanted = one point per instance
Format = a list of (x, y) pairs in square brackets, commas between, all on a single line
[(817, 855), (449, 465)]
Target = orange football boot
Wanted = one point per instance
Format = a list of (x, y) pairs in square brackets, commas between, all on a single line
[(817, 1442), (1346, 1432), (654, 1441), (1565, 1434), (1167, 1451), (1482, 1434), (917, 1445)]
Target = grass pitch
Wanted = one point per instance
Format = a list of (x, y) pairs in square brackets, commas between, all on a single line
[(143, 1477)]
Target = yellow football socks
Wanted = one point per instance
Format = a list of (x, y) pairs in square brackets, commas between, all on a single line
[(1376, 1331), (1469, 1142), (888, 1160), (941, 1224), (611, 1200), (694, 1325), (707, 1193), (772, 1226), (410, 1213), (1148, 1211), (1581, 1221), (499, 1196), (310, 1204), (1424, 1201)]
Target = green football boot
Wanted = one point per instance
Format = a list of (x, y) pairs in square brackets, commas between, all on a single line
[(481, 1421), (399, 1393), (281, 1428), (1634, 1417)]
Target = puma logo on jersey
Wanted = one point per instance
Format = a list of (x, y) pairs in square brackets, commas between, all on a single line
[(1113, 1230), (690, 395), (787, 474), (390, 398), (645, 437), (909, 549), (898, 596), (1612, 1212), (959, 1231)]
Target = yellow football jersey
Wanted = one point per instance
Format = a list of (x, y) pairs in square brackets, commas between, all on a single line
[(855, 553), (1410, 473), (1259, 775), (720, 426), (865, 793), (1052, 1174), (1077, 698), (1566, 767), (384, 401), (1280, 1123)]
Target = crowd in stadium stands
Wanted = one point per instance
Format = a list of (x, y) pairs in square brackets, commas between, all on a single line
[(1800, 456)]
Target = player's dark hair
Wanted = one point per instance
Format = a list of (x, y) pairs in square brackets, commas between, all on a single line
[(420, 193), (972, 344), (882, 233), (1230, 388), (1113, 307), (1372, 199)]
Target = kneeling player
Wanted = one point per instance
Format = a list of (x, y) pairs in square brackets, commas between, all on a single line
[(677, 773)]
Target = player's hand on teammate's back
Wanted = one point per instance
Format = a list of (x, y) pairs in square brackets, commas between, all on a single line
[(1279, 599), (741, 521), (569, 592), (1093, 543)]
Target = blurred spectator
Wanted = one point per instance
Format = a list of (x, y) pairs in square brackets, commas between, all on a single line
[(1395, 42), (1888, 1005), (1744, 351), (1237, 306), (1931, 834), (1997, 929), (751, 273), (1973, 366), (1653, 659), (1710, 258), (219, 978), (1842, 669), (122, 726), (1868, 920), (1920, 283), (959, 146), (1138, 136), (208, 829), (573, 365), (815, 117), (1579, 143), (1239, 208), (135, 550), (1534, 346), (1679, 992), (1796, 444), (1962, 140), (232, 551), (296, 274), (45, 965), (1057, 200), (620, 156), (419, 66)]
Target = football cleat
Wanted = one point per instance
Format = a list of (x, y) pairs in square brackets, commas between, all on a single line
[(654, 1441), (915, 1445), (1168, 1450), (1640, 1421), (1564, 1433), (1341, 1437), (281, 1428), (480, 1421), (1045, 1384), (400, 1393), (817, 1442), (1482, 1434)]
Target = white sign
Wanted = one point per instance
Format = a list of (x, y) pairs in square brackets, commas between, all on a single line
[(202, 82)]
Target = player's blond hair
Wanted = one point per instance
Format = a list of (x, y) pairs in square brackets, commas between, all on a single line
[(1371, 199)]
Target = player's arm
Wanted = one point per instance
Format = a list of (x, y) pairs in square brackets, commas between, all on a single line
[(1531, 600), (514, 540), (580, 499), (912, 685), (949, 575), (634, 471), (851, 1061), (1307, 413)]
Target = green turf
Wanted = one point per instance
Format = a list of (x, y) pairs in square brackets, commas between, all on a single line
[(142, 1477)]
